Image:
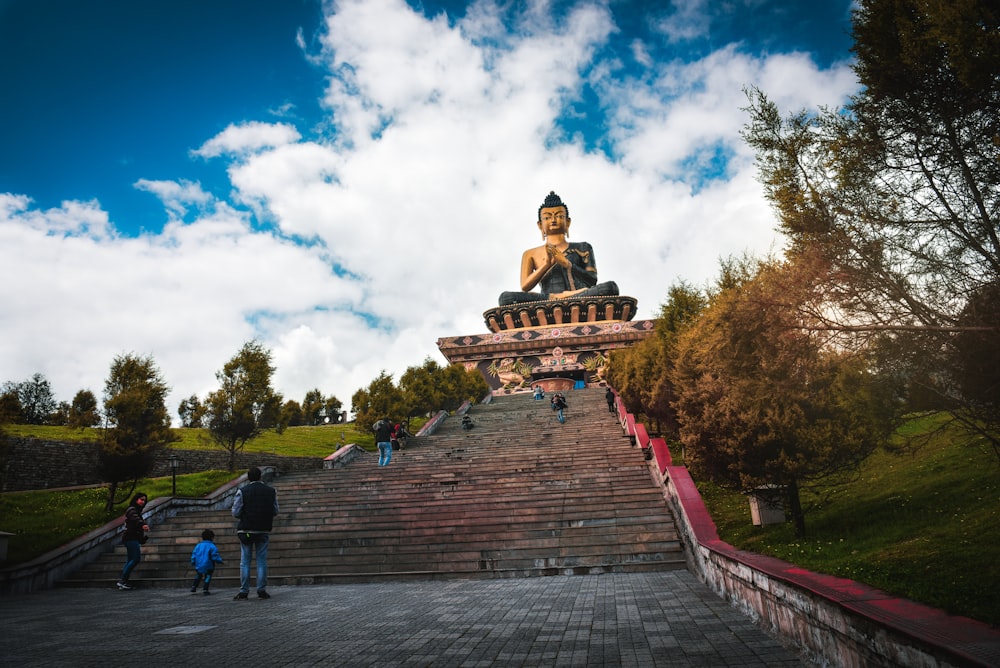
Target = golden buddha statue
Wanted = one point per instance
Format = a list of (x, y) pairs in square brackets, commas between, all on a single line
[(561, 268)]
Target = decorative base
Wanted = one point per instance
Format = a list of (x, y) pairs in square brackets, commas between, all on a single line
[(516, 359), (560, 312)]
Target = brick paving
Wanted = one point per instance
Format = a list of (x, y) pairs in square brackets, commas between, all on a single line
[(629, 619)]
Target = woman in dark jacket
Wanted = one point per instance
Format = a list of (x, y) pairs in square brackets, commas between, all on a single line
[(133, 537)]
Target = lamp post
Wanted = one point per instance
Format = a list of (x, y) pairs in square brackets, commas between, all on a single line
[(174, 461)]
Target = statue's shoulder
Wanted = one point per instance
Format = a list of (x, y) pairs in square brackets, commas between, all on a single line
[(581, 248)]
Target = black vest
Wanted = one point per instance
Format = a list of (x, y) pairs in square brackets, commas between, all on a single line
[(258, 508)]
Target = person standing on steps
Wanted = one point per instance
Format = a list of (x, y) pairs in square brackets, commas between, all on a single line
[(255, 506), (558, 405), (383, 438), (609, 396), (133, 538)]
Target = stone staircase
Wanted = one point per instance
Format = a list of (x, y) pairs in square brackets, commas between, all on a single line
[(518, 495)]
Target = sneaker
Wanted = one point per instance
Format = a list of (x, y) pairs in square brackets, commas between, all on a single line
[(123, 586), (208, 593), (263, 594), (242, 596), (194, 590)]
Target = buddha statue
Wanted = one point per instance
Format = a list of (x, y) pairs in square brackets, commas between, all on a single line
[(561, 268)]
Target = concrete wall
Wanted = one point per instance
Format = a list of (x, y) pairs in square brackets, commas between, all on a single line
[(35, 464)]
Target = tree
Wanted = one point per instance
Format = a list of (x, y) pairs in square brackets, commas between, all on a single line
[(762, 400), (137, 420), (317, 409), (422, 393), (641, 373), (34, 398), (897, 195), (422, 390), (334, 408), (191, 412), (976, 364), (83, 412), (292, 414), (432, 387), (312, 404), (380, 399), (245, 404), (10, 406), (461, 385)]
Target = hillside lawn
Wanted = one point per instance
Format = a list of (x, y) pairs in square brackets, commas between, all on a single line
[(923, 524), (318, 441)]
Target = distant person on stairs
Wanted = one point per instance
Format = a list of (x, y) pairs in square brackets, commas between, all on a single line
[(558, 405), (609, 396), (255, 506), (401, 434), (383, 438)]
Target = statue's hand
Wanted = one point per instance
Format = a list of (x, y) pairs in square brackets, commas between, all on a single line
[(557, 256)]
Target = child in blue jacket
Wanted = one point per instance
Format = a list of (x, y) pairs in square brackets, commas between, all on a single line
[(204, 557)]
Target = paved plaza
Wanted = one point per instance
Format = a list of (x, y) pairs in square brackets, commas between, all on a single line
[(641, 619)]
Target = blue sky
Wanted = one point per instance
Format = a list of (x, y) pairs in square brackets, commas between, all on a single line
[(349, 181)]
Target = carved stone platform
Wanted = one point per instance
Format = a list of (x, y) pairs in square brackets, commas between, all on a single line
[(560, 312), (555, 356)]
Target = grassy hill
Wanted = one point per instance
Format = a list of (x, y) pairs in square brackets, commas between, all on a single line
[(921, 523), (294, 441)]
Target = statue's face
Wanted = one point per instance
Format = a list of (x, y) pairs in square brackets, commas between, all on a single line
[(553, 220)]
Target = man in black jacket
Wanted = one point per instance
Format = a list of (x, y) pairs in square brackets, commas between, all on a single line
[(255, 506), (383, 438)]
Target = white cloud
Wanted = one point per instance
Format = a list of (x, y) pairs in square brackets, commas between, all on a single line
[(407, 224), (176, 196), (687, 21), (247, 138)]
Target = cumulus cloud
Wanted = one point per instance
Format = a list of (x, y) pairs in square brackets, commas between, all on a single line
[(177, 196), (352, 252), (246, 138)]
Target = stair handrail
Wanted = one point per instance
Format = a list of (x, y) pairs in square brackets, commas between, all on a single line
[(44, 571)]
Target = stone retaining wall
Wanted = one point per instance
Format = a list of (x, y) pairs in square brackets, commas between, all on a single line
[(32, 463)]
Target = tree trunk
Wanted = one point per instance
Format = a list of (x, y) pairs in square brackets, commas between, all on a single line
[(795, 509), (112, 490)]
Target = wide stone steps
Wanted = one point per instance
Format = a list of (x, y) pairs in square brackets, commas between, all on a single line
[(517, 495)]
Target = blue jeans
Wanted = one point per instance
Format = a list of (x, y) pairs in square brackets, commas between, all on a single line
[(384, 453), (133, 551), (198, 577), (259, 542)]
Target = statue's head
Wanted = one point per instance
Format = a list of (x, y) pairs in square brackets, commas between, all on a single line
[(553, 216), (551, 201)]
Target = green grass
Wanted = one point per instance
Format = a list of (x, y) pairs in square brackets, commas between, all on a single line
[(44, 520), (294, 442), (919, 524)]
